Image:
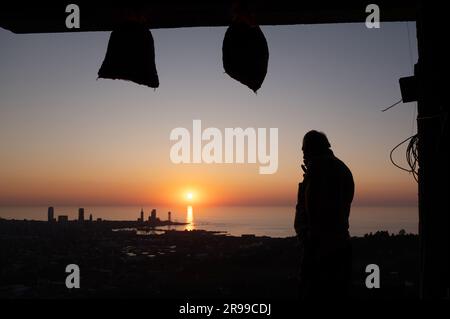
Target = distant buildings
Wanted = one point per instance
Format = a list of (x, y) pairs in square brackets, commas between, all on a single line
[(81, 214), (65, 218), (50, 214), (153, 216)]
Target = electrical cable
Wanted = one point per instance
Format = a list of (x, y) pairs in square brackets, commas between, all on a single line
[(412, 156)]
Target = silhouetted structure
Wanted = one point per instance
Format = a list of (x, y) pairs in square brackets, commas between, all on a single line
[(169, 216), (153, 216), (141, 219), (90, 217), (81, 214), (50, 214), (321, 220)]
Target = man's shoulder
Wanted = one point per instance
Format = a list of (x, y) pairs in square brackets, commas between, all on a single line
[(342, 166)]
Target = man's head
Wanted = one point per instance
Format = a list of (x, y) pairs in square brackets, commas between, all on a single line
[(314, 144)]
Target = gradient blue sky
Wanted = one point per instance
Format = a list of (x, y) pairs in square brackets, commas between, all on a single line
[(68, 138)]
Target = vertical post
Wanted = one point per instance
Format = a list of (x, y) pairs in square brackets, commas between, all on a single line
[(432, 129)]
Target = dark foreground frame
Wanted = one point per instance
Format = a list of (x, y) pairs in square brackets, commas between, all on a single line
[(433, 131)]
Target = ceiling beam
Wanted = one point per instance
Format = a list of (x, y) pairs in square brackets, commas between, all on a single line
[(39, 17)]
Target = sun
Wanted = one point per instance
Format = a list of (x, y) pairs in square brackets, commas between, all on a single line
[(190, 195)]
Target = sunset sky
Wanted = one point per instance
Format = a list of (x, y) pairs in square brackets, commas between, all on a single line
[(67, 138)]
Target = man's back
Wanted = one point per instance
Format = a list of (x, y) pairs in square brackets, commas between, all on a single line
[(329, 191), (322, 220)]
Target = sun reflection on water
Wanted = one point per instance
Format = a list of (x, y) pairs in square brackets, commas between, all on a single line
[(190, 218)]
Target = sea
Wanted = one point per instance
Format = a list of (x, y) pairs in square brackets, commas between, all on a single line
[(261, 221)]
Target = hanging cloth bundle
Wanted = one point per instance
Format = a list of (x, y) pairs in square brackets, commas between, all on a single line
[(245, 53), (131, 56)]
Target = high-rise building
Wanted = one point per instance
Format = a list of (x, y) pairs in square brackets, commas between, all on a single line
[(81, 214), (169, 216), (153, 216), (142, 215), (51, 214)]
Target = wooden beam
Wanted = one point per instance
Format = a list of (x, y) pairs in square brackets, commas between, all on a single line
[(39, 17)]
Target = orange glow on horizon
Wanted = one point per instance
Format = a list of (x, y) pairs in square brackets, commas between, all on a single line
[(170, 186)]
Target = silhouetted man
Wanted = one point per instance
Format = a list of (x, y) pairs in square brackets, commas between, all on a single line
[(321, 221)]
